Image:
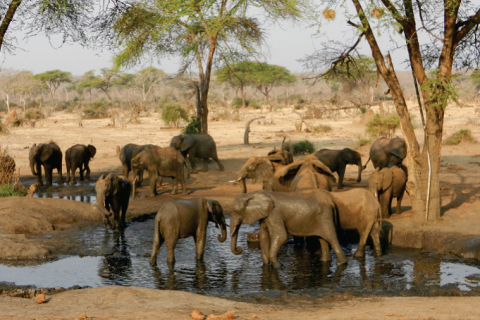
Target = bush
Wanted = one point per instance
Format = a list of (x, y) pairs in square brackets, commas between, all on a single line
[(172, 113), (300, 147), (460, 136), (95, 110), (34, 114), (255, 104), (12, 190), (193, 127), (383, 127), (363, 110), (237, 103), (297, 107), (321, 129)]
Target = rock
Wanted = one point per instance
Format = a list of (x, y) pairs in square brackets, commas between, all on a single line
[(39, 299), (253, 237), (254, 316), (226, 315), (32, 190), (197, 315)]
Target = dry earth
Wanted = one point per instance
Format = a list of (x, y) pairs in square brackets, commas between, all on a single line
[(24, 220)]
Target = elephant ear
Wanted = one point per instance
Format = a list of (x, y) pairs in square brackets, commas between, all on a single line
[(257, 207), (256, 168), (398, 148), (288, 173), (92, 150), (215, 211), (116, 184), (387, 180), (188, 141), (321, 168), (45, 152)]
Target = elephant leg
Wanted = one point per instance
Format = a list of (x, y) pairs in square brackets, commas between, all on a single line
[(276, 242), (48, 175), (398, 210), (200, 242), (264, 242), (126, 170), (220, 165), (124, 214), (69, 168), (87, 168), (361, 243), (183, 184), (81, 169), (157, 243), (160, 181), (375, 235), (205, 165), (73, 169), (171, 243), (326, 254), (153, 183), (175, 186), (333, 241), (341, 174), (191, 158), (60, 177), (39, 172), (140, 178)]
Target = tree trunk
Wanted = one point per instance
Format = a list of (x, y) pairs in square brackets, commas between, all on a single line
[(247, 130), (8, 18), (242, 90)]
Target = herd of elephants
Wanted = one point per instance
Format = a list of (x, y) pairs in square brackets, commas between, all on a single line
[(296, 199)]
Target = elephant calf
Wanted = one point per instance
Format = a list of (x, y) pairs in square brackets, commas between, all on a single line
[(113, 192), (183, 218), (386, 184), (337, 160), (358, 209), (78, 156)]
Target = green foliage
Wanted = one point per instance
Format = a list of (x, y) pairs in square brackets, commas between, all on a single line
[(297, 107), (10, 190), (441, 90), (383, 127), (363, 110), (96, 110), (54, 78), (34, 114), (193, 126), (460, 136), (475, 78), (172, 113), (321, 129), (237, 103), (255, 104), (363, 141), (300, 147)]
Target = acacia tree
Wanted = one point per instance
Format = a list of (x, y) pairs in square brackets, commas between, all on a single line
[(238, 76), (106, 80), (198, 31), (87, 82), (146, 80), (52, 80), (267, 76), (26, 86), (8, 82), (445, 39)]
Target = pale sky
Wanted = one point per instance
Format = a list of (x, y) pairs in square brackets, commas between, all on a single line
[(287, 44)]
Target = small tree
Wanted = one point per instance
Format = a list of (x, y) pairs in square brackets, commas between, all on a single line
[(106, 80), (8, 82), (238, 76), (146, 80), (26, 86), (87, 82), (268, 76), (53, 79), (173, 113)]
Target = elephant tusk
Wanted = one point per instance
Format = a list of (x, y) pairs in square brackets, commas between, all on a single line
[(234, 181)]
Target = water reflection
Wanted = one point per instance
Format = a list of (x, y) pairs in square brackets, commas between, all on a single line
[(117, 266)]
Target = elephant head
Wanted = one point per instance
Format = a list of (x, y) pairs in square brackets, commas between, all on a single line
[(215, 214), (398, 151), (285, 155), (182, 142), (91, 150), (38, 154), (255, 168), (380, 181), (310, 163), (106, 187), (248, 208)]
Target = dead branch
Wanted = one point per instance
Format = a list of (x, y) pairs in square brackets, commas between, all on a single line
[(247, 129)]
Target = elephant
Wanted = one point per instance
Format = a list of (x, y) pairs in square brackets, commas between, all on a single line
[(7, 169), (199, 145), (78, 156), (337, 160), (50, 156), (386, 153), (113, 191), (358, 209), (183, 218), (263, 167), (386, 184), (163, 162), (303, 213), (126, 154)]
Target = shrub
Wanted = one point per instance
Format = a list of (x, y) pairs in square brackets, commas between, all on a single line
[(237, 103), (297, 107), (7, 167), (255, 104), (321, 129), (34, 114), (12, 190), (193, 127), (172, 113), (300, 147), (363, 110), (364, 141), (460, 136), (95, 110), (383, 127)]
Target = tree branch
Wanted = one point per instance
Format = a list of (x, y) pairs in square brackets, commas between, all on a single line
[(467, 25), (247, 129)]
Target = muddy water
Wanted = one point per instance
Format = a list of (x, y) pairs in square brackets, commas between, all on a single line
[(122, 259)]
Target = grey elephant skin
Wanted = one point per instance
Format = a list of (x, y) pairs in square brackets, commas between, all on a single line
[(262, 168), (305, 173), (337, 160), (49, 155), (164, 162), (79, 156), (200, 146), (126, 154), (113, 195), (183, 218), (386, 153), (358, 209), (389, 183), (302, 213)]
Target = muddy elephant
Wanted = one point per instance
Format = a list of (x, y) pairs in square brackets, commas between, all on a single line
[(113, 195), (200, 146), (161, 162), (303, 213), (337, 160), (358, 209), (262, 168), (126, 154), (386, 153), (7, 169), (386, 184), (48, 155), (183, 218), (79, 156)]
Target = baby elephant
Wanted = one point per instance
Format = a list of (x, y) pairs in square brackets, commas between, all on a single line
[(113, 192), (388, 183), (358, 209), (183, 218)]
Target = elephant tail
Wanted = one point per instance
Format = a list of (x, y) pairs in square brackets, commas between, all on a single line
[(118, 150), (379, 220), (365, 166), (188, 170)]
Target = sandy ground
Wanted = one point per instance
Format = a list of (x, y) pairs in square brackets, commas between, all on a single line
[(460, 191)]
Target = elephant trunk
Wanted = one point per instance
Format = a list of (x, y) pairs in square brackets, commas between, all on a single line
[(360, 169), (32, 167), (235, 224), (223, 227), (243, 185)]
